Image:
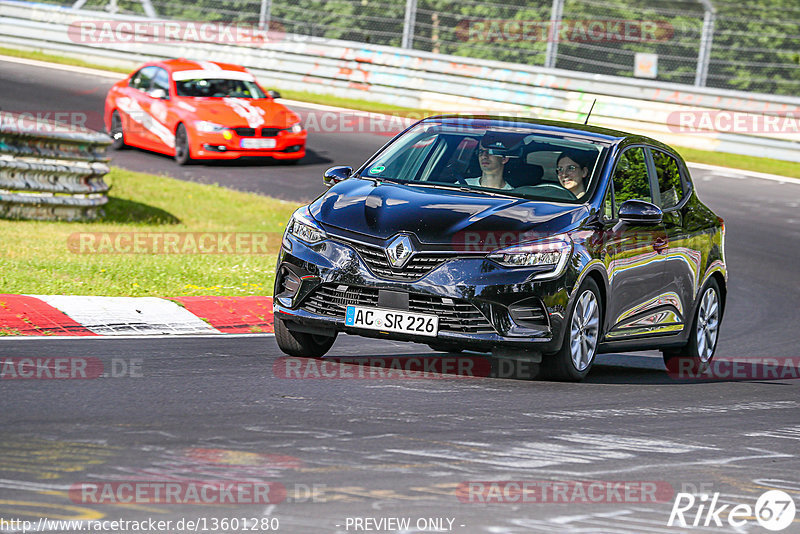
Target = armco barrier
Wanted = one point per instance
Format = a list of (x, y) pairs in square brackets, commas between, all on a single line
[(51, 171), (442, 83)]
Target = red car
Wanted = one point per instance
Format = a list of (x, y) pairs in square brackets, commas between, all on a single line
[(201, 110)]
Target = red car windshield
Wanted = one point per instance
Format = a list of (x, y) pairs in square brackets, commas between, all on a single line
[(218, 88)]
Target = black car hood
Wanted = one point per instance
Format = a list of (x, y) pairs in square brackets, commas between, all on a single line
[(435, 215)]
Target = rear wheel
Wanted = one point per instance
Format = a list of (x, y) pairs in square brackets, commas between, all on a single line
[(117, 132), (182, 153), (695, 357), (301, 344), (581, 337)]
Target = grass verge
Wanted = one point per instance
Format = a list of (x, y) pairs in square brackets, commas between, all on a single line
[(61, 60), (36, 257), (749, 163)]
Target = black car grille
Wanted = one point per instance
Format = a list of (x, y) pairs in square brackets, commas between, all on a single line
[(251, 132), (245, 132), (455, 315), (420, 264)]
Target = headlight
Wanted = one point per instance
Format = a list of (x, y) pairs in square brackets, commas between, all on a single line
[(551, 254), (295, 128), (205, 126), (305, 228)]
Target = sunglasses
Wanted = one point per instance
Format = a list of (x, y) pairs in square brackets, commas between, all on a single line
[(568, 168)]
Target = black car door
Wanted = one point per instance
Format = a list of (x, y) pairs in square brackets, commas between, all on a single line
[(683, 256), (632, 253)]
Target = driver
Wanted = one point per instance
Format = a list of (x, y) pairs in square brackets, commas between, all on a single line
[(493, 154), (572, 169)]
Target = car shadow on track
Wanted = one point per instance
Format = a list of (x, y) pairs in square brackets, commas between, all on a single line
[(311, 158), (619, 369)]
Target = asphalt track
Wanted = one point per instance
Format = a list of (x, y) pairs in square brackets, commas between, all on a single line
[(219, 409)]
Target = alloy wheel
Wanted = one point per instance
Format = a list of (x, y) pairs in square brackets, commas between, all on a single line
[(707, 325), (584, 329)]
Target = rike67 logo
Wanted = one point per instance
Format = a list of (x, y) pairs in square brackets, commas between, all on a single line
[(774, 510)]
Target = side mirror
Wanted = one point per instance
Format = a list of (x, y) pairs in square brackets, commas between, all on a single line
[(334, 175), (273, 94), (158, 93), (640, 212)]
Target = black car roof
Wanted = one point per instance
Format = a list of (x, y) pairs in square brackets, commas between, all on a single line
[(570, 128)]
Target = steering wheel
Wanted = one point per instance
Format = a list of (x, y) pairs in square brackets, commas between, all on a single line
[(556, 191), (454, 170)]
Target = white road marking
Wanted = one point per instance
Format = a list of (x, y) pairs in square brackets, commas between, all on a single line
[(113, 316)]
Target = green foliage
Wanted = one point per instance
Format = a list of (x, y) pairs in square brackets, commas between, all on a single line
[(755, 43)]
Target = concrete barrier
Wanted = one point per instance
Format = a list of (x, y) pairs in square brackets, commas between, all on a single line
[(50, 170)]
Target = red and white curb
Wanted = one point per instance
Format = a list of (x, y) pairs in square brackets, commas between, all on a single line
[(65, 315)]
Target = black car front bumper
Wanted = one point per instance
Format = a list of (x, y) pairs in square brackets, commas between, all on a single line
[(480, 305)]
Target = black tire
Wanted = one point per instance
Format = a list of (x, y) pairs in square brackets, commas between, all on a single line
[(301, 344), (445, 347), (183, 154), (117, 132), (699, 352), (573, 362)]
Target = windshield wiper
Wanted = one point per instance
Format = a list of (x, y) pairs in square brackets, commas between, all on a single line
[(463, 188)]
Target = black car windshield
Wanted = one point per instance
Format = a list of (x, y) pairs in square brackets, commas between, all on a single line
[(517, 158), (218, 88)]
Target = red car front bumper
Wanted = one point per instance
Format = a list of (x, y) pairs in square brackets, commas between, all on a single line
[(288, 146)]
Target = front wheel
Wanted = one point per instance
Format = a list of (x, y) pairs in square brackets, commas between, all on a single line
[(581, 337), (301, 344), (695, 357), (117, 132), (182, 153)]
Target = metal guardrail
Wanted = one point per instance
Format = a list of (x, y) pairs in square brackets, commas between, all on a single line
[(51, 171), (445, 83)]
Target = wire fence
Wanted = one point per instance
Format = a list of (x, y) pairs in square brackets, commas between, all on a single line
[(752, 46)]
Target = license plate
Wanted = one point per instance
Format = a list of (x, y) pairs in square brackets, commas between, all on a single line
[(392, 321), (257, 143)]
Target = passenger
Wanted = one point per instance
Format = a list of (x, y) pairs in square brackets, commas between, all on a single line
[(572, 169), (491, 171)]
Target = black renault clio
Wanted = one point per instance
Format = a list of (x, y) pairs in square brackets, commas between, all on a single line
[(531, 239)]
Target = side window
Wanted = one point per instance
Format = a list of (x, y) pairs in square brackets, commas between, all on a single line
[(161, 80), (669, 179), (630, 178), (141, 80), (608, 203)]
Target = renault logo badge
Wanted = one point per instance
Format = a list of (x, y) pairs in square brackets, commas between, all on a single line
[(399, 251)]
